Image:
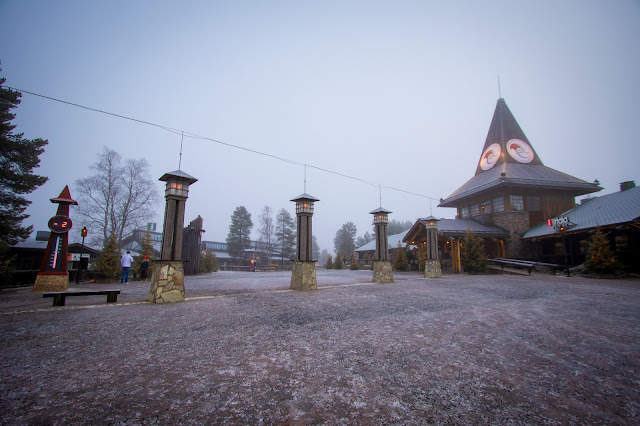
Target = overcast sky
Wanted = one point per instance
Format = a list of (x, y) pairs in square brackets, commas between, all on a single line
[(395, 93)]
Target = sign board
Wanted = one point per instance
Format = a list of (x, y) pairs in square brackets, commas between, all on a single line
[(561, 222)]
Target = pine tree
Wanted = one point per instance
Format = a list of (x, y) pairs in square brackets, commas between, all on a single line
[(600, 258), (474, 257), (108, 265), (401, 261), (329, 264), (285, 235), (238, 238), (18, 157), (354, 262), (337, 264)]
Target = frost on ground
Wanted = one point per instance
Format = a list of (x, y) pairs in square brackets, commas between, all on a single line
[(243, 349)]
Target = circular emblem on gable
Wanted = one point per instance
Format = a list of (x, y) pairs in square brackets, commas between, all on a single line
[(520, 151), (490, 156)]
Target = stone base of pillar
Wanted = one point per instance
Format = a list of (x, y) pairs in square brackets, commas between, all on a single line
[(46, 282), (303, 276), (382, 272), (167, 281), (432, 269)]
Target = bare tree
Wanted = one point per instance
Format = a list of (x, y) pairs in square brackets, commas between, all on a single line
[(266, 231), (117, 198)]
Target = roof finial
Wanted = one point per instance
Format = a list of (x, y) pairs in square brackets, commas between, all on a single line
[(499, 90)]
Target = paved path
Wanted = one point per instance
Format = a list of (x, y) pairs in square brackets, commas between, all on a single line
[(244, 349)]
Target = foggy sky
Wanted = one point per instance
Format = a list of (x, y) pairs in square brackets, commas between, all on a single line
[(394, 93)]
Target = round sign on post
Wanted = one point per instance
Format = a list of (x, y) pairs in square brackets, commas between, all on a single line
[(60, 224)]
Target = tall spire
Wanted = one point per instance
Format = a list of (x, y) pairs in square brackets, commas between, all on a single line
[(506, 142)]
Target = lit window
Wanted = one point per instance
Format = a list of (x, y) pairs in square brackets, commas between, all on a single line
[(498, 204), (475, 210), (517, 202), (464, 212), (485, 207)]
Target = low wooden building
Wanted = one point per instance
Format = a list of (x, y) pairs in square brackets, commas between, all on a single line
[(450, 233), (618, 217)]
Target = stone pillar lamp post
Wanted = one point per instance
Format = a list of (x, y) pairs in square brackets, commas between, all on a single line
[(382, 271), (167, 280), (303, 269), (432, 267)]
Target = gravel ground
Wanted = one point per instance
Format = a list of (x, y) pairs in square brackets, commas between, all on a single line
[(243, 349)]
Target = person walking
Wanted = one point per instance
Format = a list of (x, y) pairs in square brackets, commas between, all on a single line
[(125, 261), (144, 267)]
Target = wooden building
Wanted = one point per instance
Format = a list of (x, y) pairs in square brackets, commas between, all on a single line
[(617, 215), (512, 189)]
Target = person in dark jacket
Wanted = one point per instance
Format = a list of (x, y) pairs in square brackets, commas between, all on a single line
[(144, 267)]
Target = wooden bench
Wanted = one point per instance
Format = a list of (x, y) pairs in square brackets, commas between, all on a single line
[(60, 296), (513, 263), (528, 264)]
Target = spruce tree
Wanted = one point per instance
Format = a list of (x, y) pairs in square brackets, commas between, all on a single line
[(239, 236), (329, 264), (18, 157), (354, 262), (285, 232), (400, 263), (474, 257), (600, 258), (337, 264), (108, 265)]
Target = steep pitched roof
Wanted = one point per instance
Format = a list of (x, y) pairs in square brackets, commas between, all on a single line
[(508, 159), (611, 209), (506, 142)]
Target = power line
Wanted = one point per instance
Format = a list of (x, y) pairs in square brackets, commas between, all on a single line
[(195, 136)]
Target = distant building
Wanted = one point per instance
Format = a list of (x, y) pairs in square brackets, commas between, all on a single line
[(28, 258)]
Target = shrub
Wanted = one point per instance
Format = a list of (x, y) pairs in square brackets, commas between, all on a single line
[(474, 258)]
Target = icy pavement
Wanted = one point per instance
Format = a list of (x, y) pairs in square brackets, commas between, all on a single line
[(243, 349)]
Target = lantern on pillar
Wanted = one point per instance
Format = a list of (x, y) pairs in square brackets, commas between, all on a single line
[(381, 220), (382, 271), (431, 225), (176, 194), (304, 211), (303, 267), (167, 273), (433, 269)]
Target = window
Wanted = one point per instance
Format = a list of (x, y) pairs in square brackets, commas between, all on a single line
[(475, 210), (464, 212), (533, 204), (517, 202), (485, 207), (498, 204)]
